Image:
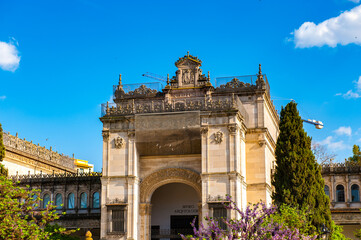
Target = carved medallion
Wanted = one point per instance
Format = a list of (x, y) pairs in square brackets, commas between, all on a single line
[(218, 137), (119, 142)]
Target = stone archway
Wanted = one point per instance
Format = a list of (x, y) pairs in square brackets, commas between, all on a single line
[(150, 183)]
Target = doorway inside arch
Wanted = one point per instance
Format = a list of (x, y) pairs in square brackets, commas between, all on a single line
[(174, 207)]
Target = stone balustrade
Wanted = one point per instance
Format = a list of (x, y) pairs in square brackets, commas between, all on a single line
[(38, 152)]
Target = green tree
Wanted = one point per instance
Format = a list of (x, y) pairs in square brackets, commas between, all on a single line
[(60, 233), (2, 147), (356, 158), (3, 170), (298, 181), (20, 217)]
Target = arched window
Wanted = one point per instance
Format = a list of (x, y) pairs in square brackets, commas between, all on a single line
[(71, 200), (340, 193), (83, 200), (46, 200), (355, 193), (35, 199), (327, 190), (96, 203), (58, 201)]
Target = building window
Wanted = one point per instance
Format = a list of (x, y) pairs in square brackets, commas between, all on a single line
[(83, 200), (355, 193), (46, 200), (219, 212), (116, 220), (71, 200), (327, 190), (96, 203), (58, 201), (35, 199), (340, 193)]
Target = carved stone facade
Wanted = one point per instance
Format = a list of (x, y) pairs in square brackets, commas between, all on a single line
[(76, 194), (342, 185), (191, 135), (24, 157)]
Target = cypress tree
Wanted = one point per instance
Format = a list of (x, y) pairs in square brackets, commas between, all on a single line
[(298, 181)]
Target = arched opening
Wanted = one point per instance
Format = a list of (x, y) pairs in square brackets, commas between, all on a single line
[(59, 201), (355, 193), (340, 193), (46, 200), (174, 207), (327, 191)]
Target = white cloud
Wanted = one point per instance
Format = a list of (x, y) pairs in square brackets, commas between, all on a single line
[(352, 94), (333, 145), (9, 56), (355, 1), (343, 29), (358, 84), (344, 131), (2, 97)]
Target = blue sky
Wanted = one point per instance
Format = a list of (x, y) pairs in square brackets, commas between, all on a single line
[(59, 60)]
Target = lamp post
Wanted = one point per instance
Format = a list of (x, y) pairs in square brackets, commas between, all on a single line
[(324, 232)]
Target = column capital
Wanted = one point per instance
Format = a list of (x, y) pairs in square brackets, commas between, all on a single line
[(105, 134)]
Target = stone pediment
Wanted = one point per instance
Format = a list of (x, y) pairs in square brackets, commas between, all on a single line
[(188, 64), (188, 61)]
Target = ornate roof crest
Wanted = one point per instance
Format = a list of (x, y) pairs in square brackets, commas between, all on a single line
[(234, 83), (142, 90), (188, 57)]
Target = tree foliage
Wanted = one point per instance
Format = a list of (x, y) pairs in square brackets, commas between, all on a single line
[(59, 233), (3, 170), (255, 223), (356, 157), (294, 218), (20, 217), (298, 181)]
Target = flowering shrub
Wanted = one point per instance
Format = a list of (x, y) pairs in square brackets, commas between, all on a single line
[(255, 223)]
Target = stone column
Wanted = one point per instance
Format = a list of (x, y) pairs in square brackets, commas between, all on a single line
[(203, 210), (104, 185), (132, 187), (145, 211)]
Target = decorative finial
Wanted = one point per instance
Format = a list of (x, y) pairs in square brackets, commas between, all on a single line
[(168, 79), (107, 106), (188, 53), (88, 236), (260, 81), (209, 76), (73, 156), (120, 79)]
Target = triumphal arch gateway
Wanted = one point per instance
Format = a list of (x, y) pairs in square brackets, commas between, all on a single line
[(171, 155)]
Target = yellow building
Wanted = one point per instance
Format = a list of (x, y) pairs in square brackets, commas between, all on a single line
[(83, 166)]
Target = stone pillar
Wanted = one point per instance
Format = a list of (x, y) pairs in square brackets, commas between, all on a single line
[(145, 211), (104, 185), (132, 188), (203, 210)]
